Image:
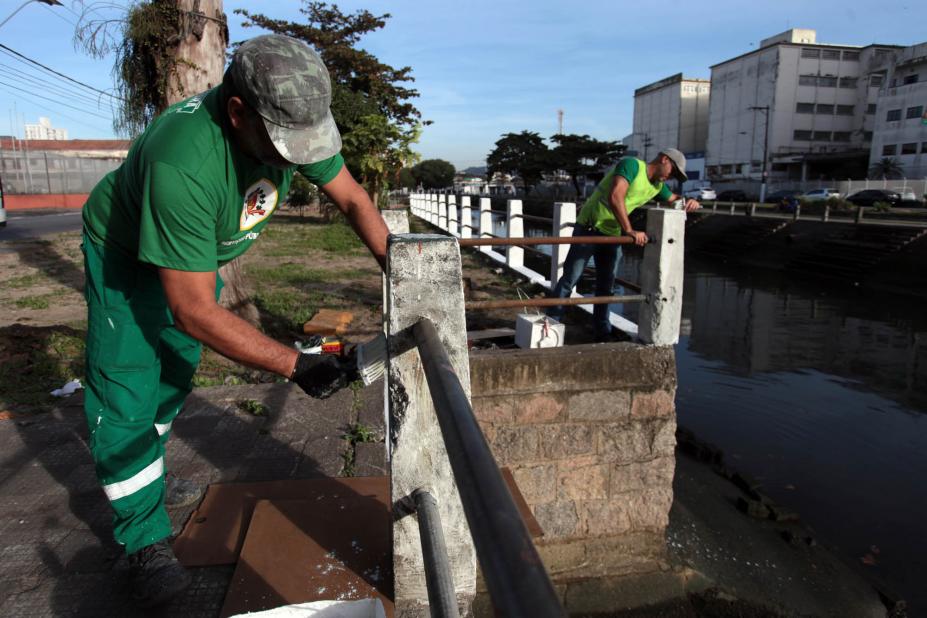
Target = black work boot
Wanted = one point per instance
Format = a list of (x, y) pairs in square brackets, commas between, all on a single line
[(155, 575), (179, 493)]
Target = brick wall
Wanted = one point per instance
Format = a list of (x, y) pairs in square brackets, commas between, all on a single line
[(588, 432)]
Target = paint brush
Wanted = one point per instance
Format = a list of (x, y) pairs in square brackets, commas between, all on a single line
[(371, 359)]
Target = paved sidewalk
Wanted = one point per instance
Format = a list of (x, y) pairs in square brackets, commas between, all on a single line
[(57, 556)]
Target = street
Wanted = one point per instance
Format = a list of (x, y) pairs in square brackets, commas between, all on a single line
[(22, 225)]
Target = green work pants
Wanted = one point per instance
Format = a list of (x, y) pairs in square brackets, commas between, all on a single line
[(139, 371)]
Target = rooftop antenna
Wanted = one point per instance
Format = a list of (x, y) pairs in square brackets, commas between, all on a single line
[(559, 122)]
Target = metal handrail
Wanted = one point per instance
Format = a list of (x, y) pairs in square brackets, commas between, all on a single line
[(442, 600), (548, 240), (516, 579), (553, 302)]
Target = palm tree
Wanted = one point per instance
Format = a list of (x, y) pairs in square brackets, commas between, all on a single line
[(886, 167)]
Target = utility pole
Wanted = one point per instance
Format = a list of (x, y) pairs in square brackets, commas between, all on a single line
[(559, 122), (765, 110)]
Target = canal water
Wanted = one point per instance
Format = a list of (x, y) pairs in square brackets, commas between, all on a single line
[(817, 392), (820, 394)]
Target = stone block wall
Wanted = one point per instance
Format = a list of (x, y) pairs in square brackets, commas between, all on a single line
[(589, 433)]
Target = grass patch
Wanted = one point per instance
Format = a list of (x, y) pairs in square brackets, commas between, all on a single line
[(26, 281), (283, 312), (285, 240), (32, 302), (252, 407), (36, 360), (290, 273)]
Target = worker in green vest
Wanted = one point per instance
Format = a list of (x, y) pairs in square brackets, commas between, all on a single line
[(195, 191), (629, 184)]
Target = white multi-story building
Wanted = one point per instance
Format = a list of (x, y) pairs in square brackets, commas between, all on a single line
[(44, 130), (808, 107), (670, 113), (900, 130)]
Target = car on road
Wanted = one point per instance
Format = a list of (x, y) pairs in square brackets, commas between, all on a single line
[(702, 194), (733, 195), (868, 197), (817, 195), (782, 194)]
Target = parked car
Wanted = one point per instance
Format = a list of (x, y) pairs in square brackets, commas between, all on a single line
[(868, 197), (733, 195), (817, 195), (777, 196), (702, 193)]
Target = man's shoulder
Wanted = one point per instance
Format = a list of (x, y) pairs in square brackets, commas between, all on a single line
[(188, 135), (629, 167)]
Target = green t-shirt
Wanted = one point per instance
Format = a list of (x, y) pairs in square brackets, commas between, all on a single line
[(185, 197), (596, 211)]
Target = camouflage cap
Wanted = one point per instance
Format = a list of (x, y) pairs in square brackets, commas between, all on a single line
[(287, 83)]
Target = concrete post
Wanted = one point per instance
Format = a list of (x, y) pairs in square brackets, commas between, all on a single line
[(797, 212), (564, 218), (485, 221), (452, 223), (515, 225), (442, 211), (433, 208), (732, 208), (752, 209), (662, 277), (859, 214), (826, 216), (466, 218), (714, 206), (424, 281)]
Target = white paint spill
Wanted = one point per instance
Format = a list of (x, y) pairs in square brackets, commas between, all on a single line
[(111, 325)]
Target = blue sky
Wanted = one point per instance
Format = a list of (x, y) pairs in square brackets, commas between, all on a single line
[(483, 68)]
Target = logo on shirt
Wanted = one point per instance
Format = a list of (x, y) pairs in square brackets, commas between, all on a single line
[(260, 201), (190, 105)]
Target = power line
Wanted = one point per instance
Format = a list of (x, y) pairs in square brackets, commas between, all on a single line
[(52, 111), (56, 88), (62, 75), (59, 15), (54, 101)]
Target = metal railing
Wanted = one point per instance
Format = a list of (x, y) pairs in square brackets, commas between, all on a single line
[(515, 576)]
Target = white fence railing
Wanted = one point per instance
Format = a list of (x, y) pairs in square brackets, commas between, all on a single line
[(661, 269)]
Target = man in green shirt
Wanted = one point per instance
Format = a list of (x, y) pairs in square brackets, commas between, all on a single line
[(197, 188), (628, 185)]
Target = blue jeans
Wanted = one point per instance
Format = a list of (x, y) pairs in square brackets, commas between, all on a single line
[(607, 259)]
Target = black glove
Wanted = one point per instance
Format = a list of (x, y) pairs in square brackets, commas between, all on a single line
[(322, 375)]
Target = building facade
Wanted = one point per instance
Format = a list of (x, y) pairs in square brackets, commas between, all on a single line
[(44, 130), (670, 113), (900, 128), (800, 109)]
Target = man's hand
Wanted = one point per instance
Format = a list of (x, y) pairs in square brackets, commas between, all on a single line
[(692, 205), (640, 238), (322, 375)]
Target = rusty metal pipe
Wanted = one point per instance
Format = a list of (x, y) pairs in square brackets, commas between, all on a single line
[(549, 240), (554, 302)]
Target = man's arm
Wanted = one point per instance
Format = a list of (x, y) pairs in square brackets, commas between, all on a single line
[(191, 297), (690, 203), (616, 203), (362, 215)]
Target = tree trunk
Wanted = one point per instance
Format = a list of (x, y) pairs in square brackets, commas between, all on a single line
[(202, 52)]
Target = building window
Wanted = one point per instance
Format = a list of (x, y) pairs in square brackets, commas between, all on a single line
[(923, 147), (830, 54), (841, 136), (804, 108), (910, 79), (851, 55), (827, 81), (910, 148), (892, 115), (802, 136), (876, 80), (889, 150), (844, 110), (871, 108), (807, 52), (867, 136), (807, 80), (914, 112), (820, 136), (848, 82), (825, 108)]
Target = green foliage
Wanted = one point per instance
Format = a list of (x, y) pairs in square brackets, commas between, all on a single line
[(434, 173), (581, 155), (302, 192), (32, 302), (407, 179), (378, 150), (358, 432), (882, 207), (839, 203), (886, 167), (252, 407), (524, 154), (37, 360)]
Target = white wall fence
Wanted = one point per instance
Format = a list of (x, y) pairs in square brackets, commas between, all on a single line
[(661, 268)]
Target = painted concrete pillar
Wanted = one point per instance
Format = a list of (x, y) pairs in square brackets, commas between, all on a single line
[(433, 209), (564, 218), (466, 218), (442, 211), (424, 281), (485, 221), (515, 224), (661, 277), (452, 223)]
